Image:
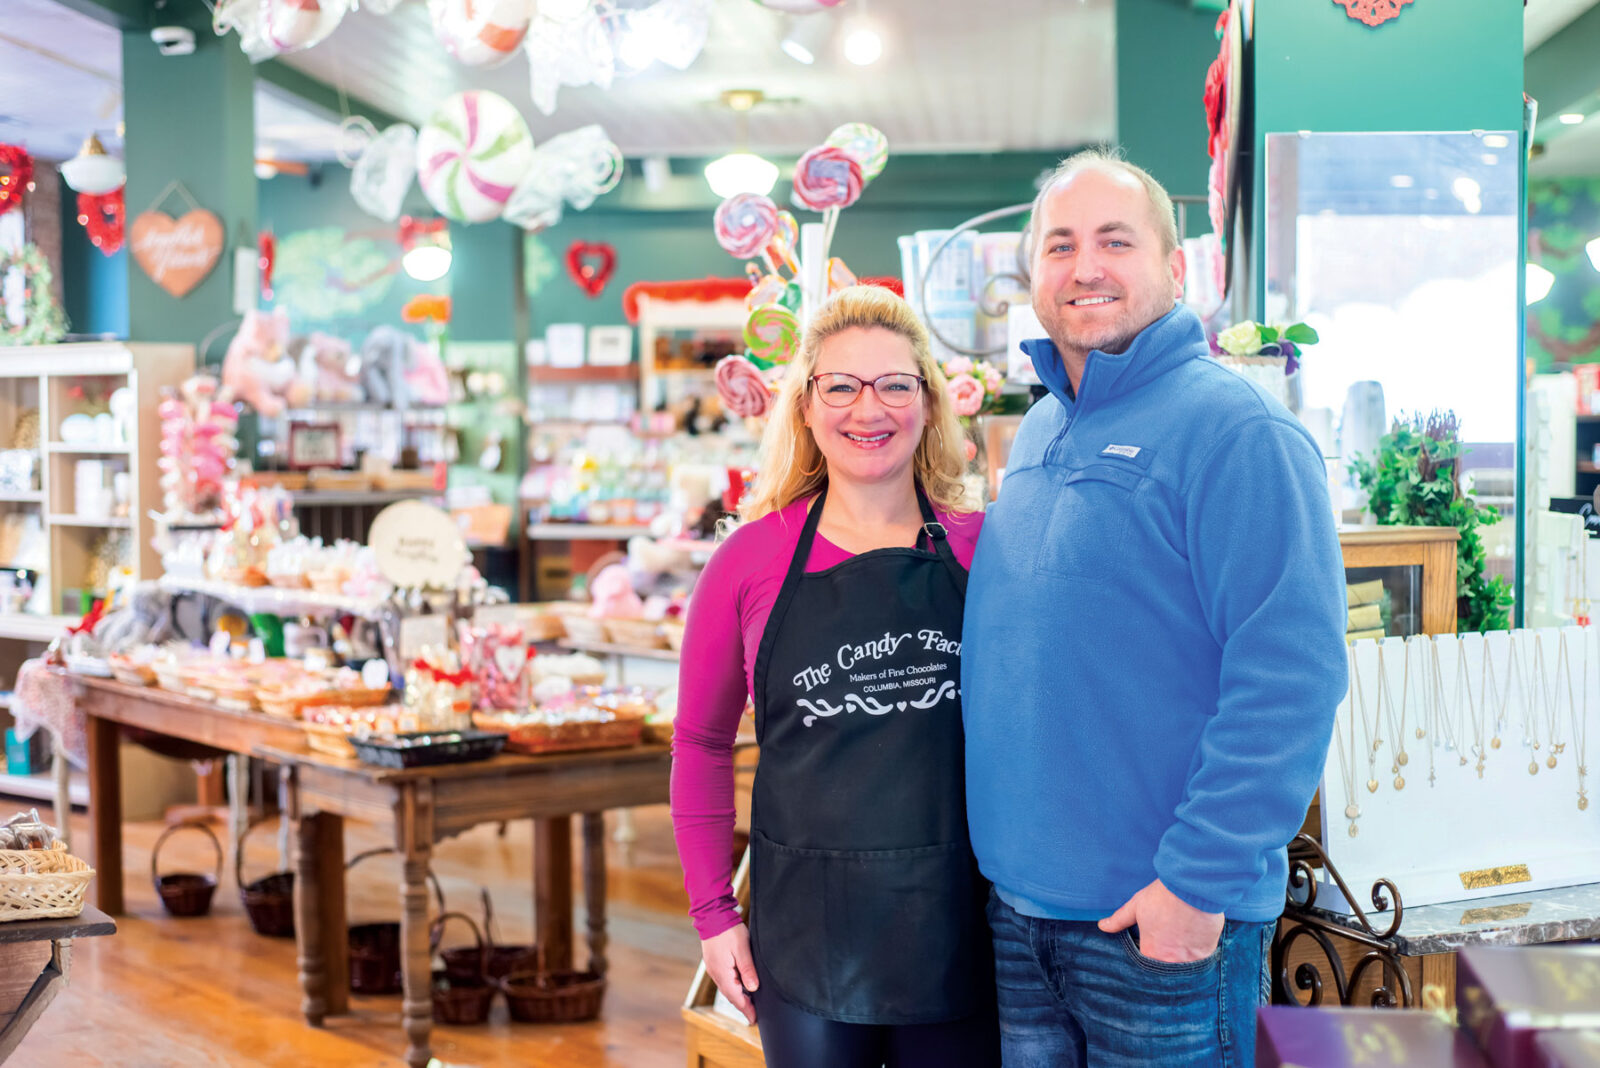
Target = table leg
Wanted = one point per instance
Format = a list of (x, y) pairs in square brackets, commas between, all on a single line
[(415, 968), (105, 814), (319, 917), (552, 890), (63, 789), (330, 912), (594, 887), (625, 836)]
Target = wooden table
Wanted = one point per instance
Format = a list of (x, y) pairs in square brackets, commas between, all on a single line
[(421, 806), (34, 958)]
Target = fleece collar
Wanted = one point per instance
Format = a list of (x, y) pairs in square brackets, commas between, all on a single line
[(1176, 337)]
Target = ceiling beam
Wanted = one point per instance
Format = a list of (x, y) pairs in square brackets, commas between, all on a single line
[(1562, 75), (297, 83), (123, 14)]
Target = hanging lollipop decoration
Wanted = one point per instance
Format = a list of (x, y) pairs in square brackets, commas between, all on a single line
[(471, 154), (828, 180), (481, 33), (745, 224)]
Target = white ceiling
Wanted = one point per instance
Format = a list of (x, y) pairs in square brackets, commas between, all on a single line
[(955, 76), (1543, 19), (60, 78)]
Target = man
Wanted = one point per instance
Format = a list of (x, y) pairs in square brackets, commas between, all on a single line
[(1155, 653)]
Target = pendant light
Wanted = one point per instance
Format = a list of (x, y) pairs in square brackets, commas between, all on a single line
[(741, 171), (92, 171)]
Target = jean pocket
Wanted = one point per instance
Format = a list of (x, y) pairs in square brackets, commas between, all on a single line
[(1130, 945), (1087, 534)]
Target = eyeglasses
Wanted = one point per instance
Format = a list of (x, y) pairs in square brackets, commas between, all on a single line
[(840, 390)]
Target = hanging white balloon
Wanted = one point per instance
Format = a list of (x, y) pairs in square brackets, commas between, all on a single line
[(567, 53), (382, 176), (481, 33)]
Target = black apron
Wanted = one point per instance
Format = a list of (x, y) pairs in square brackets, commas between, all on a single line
[(867, 903)]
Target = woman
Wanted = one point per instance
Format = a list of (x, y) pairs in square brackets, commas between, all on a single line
[(837, 606)]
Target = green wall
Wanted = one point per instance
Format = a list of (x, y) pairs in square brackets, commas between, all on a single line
[(1564, 327), (94, 286)]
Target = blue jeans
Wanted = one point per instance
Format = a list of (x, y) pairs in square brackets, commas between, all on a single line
[(1072, 996)]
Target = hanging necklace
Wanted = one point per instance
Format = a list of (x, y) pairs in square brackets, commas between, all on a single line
[(1347, 764), (1553, 701), (1386, 708), (1405, 695), (1488, 684), (1430, 713), (1580, 732), (1367, 725), (1530, 713), (1476, 711), (1442, 725)]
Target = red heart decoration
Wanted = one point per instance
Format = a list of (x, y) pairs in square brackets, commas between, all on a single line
[(102, 216), (590, 264)]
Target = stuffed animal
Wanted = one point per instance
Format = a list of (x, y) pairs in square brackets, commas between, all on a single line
[(329, 374), (258, 368), (144, 620), (426, 380), (383, 361)]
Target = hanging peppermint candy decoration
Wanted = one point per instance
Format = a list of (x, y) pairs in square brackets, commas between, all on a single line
[(472, 154), (481, 33)]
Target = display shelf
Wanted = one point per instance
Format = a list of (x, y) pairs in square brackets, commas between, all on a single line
[(110, 522), (41, 786), (607, 649), (31, 497), (275, 600), (584, 532), (61, 448), (21, 626), (328, 498), (549, 376)]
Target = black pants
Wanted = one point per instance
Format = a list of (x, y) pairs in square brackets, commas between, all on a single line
[(794, 1038)]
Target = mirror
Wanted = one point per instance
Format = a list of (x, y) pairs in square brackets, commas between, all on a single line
[(1401, 250)]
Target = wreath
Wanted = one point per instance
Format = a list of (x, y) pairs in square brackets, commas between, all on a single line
[(102, 216), (42, 318), (17, 178)]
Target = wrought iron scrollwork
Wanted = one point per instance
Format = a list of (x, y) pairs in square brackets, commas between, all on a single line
[(1303, 922)]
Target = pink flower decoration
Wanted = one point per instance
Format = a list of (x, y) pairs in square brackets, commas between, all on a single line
[(958, 366), (966, 395)]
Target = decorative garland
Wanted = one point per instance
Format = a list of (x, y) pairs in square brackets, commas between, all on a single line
[(42, 319), (15, 183), (103, 216), (710, 290)]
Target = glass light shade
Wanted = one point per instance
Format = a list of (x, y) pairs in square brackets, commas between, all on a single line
[(427, 263), (806, 37), (1593, 249), (741, 172), (863, 46), (94, 174), (1537, 283)]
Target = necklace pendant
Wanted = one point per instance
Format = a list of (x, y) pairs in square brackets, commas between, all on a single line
[(1583, 803), (1536, 745), (1533, 767), (1449, 747), (1463, 761), (1421, 733), (1550, 762), (1372, 786), (1432, 778), (1354, 830), (1351, 811), (1399, 782), (1376, 743), (1494, 743), (1403, 759)]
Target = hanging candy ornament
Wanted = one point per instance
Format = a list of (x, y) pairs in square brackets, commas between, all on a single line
[(799, 7), (742, 389), (744, 224), (471, 155), (16, 181), (481, 33), (534, 206), (266, 257), (295, 25), (569, 52), (826, 178), (772, 334), (382, 175), (103, 217), (676, 30), (864, 144), (582, 163)]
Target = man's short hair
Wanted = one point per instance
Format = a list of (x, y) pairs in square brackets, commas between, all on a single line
[(1110, 161)]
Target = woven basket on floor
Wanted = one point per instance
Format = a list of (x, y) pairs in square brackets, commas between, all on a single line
[(461, 993), (269, 900), (42, 884), (375, 947), (185, 893)]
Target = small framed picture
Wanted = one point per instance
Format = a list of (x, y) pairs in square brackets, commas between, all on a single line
[(313, 445), (610, 346)]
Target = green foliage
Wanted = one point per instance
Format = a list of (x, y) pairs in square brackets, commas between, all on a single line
[(1412, 482)]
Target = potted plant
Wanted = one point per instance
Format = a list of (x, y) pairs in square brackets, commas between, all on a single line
[(1267, 355)]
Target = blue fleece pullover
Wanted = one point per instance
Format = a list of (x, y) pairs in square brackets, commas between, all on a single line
[(1154, 637)]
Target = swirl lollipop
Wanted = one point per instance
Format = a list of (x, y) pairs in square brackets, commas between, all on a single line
[(784, 240), (767, 290), (826, 177), (742, 389), (864, 144), (772, 333), (744, 223)]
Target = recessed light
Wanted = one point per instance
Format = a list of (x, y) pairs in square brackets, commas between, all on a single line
[(1571, 118), (1402, 181)]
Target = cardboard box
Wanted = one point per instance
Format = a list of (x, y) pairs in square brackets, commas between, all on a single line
[(1507, 995), (1292, 1037)]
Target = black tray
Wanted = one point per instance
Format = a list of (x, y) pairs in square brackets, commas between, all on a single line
[(427, 748)]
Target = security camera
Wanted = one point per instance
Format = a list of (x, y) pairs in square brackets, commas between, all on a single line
[(173, 40)]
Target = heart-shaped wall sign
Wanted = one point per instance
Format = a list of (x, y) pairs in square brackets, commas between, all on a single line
[(177, 253), (590, 264)]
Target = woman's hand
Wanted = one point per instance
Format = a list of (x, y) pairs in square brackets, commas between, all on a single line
[(731, 967)]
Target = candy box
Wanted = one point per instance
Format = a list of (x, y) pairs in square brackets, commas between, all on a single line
[(1507, 995), (1292, 1037), (1568, 1049)]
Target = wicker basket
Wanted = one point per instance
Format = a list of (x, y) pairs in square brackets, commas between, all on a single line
[(461, 991), (185, 893), (672, 630), (375, 947), (268, 901), (636, 633), (584, 628), (329, 739), (42, 884), (277, 703), (502, 960), (131, 673), (553, 997)]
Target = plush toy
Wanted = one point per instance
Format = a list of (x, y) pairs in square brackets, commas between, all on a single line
[(144, 620), (258, 368), (427, 382), (328, 372), (383, 362)]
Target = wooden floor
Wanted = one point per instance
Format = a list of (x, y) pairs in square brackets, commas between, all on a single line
[(176, 993)]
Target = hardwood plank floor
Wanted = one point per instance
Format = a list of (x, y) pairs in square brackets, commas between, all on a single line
[(185, 993)]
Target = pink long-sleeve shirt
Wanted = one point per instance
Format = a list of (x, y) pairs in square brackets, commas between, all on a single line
[(727, 616)]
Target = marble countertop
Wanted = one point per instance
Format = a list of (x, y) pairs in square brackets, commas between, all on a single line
[(1562, 914)]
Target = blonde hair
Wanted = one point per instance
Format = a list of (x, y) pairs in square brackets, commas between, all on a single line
[(1109, 161), (792, 466)]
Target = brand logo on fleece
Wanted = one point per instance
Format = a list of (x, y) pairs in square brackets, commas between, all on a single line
[(1127, 452)]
